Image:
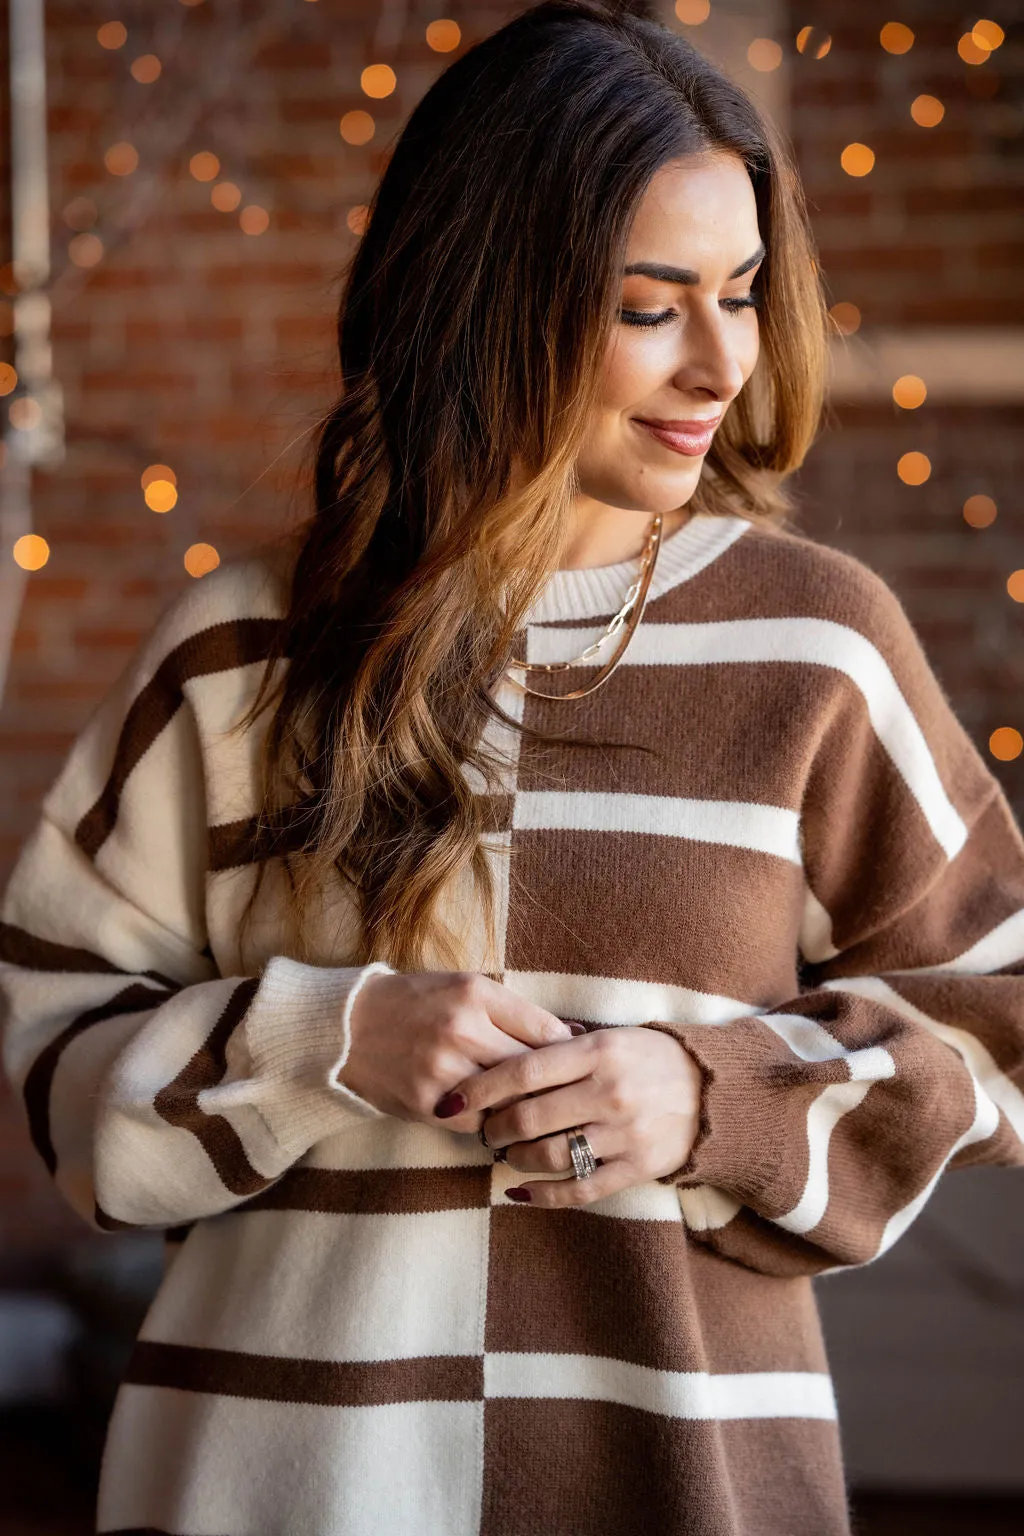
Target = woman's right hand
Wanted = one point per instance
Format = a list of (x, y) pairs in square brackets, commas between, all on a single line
[(415, 1035)]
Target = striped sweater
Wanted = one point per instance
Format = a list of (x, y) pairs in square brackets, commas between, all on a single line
[(809, 878)]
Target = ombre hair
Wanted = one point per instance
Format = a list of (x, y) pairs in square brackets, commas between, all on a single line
[(472, 326)]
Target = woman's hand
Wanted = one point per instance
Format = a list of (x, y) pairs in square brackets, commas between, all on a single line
[(416, 1035), (634, 1092)]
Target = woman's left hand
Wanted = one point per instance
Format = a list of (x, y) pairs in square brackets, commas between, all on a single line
[(634, 1092)]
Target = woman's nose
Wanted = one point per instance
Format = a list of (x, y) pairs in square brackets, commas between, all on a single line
[(713, 357)]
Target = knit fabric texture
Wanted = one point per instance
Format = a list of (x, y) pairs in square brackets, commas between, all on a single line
[(797, 864)]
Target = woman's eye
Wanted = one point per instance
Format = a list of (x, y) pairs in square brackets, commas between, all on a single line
[(749, 301), (646, 317)]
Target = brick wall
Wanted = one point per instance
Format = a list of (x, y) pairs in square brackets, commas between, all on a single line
[(193, 344)]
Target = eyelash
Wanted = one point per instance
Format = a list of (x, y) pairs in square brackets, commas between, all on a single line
[(644, 319)]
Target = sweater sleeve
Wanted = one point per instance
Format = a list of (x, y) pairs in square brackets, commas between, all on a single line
[(828, 1119), (156, 1089)]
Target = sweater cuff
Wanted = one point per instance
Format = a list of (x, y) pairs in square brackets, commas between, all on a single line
[(738, 1146), (297, 1032)]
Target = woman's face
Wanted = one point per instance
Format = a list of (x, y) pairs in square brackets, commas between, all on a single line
[(687, 339)]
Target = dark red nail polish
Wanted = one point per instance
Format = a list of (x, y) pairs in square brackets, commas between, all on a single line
[(519, 1194), (451, 1104), (576, 1027)]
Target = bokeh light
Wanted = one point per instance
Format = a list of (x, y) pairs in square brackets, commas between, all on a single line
[(8, 378), (980, 511), (204, 166), (31, 551), (845, 317), (378, 80), (201, 559), (896, 38), (813, 41), (914, 468), (764, 55), (988, 35), (225, 196), (85, 250), (970, 51), (157, 472), (254, 220), (356, 218), (927, 111), (909, 391), (357, 127), (161, 496), (693, 12), (112, 34), (121, 159), (25, 414), (1005, 743), (146, 68), (857, 159), (444, 36), (1015, 586)]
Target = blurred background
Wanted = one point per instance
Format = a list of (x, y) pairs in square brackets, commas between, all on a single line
[(187, 179)]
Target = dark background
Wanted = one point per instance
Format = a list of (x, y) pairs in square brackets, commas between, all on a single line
[(181, 340)]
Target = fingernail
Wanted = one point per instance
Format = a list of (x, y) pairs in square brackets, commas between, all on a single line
[(575, 1027), (451, 1104), (519, 1194)]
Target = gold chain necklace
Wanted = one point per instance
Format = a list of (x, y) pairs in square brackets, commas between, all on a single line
[(626, 620)]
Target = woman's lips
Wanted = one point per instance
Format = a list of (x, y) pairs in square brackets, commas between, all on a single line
[(689, 437)]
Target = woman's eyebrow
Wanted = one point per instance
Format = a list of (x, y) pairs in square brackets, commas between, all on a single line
[(685, 275)]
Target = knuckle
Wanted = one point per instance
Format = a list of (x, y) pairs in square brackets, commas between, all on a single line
[(523, 1121), (529, 1071)]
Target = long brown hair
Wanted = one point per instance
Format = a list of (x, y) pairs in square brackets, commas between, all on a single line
[(472, 325)]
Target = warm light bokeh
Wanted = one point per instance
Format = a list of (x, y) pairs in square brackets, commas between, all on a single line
[(896, 38), (356, 218), (909, 391), (121, 159), (157, 472), (31, 551), (378, 80), (971, 51), (914, 468), (201, 559), (444, 35), (693, 12), (1015, 586), (8, 378), (845, 317), (225, 196), (980, 511), (85, 250), (357, 127), (1006, 743), (161, 496), (857, 159), (204, 165), (813, 42), (988, 35), (254, 220), (112, 34), (146, 68), (764, 54), (927, 111)]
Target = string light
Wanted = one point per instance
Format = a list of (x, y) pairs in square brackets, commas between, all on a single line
[(857, 159), (356, 218), (225, 196), (204, 166), (909, 391), (121, 159), (896, 38), (914, 468), (31, 551), (8, 378), (1015, 586), (988, 35), (813, 42), (201, 559), (692, 13), (378, 80), (980, 511), (159, 487), (357, 127), (112, 34), (927, 111), (85, 250), (845, 317), (146, 68), (444, 36), (254, 220), (971, 51), (764, 55), (1005, 743)]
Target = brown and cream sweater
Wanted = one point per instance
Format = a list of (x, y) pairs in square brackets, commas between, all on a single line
[(812, 880)]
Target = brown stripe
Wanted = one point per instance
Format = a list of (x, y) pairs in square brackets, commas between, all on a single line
[(593, 1468), (329, 1383), (219, 648), (178, 1102), (133, 999), (378, 1191), (766, 1249), (31, 953)]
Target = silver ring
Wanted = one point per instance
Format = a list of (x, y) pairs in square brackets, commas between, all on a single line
[(584, 1162)]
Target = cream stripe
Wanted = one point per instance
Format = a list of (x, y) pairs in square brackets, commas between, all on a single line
[(675, 1394), (815, 937), (617, 1000), (815, 642), (808, 1040), (1003, 946), (736, 823)]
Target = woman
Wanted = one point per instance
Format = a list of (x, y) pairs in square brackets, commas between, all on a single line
[(514, 936)]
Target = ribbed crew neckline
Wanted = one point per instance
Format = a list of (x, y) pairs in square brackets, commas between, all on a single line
[(596, 590)]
